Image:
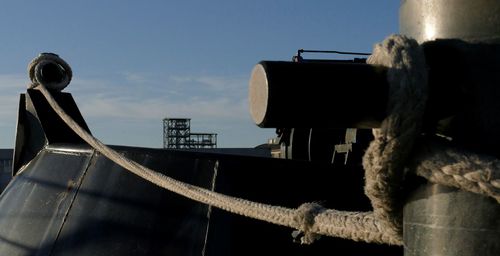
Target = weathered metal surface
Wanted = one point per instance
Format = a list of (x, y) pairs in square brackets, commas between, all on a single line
[(118, 213), (286, 183), (38, 125), (69, 201), (445, 221), (34, 205), (468, 20)]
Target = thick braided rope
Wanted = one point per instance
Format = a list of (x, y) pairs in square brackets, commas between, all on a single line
[(386, 155), (381, 226), (459, 168), (310, 218), (36, 66)]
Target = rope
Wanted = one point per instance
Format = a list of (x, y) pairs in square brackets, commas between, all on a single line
[(384, 162), (310, 219), (386, 155), (57, 79), (459, 168)]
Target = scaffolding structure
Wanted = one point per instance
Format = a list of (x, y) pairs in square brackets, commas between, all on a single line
[(177, 134)]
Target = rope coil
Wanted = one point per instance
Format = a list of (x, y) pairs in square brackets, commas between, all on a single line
[(386, 156), (385, 161), (51, 71)]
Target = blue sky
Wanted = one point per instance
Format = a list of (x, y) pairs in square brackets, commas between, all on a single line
[(136, 62)]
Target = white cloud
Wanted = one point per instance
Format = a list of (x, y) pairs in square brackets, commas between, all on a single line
[(213, 83), (215, 104), (105, 99), (157, 108), (14, 81), (138, 78)]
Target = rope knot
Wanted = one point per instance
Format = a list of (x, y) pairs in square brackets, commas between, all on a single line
[(304, 218)]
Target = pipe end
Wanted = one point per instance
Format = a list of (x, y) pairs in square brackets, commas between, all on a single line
[(258, 94)]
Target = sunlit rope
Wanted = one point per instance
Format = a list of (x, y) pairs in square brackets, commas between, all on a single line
[(383, 178), (324, 222)]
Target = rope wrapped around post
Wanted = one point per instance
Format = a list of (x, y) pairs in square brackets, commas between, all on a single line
[(385, 158), (384, 162)]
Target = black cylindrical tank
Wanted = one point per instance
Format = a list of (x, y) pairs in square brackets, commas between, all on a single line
[(298, 94)]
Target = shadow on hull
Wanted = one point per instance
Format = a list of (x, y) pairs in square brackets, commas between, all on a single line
[(65, 198), (70, 199)]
